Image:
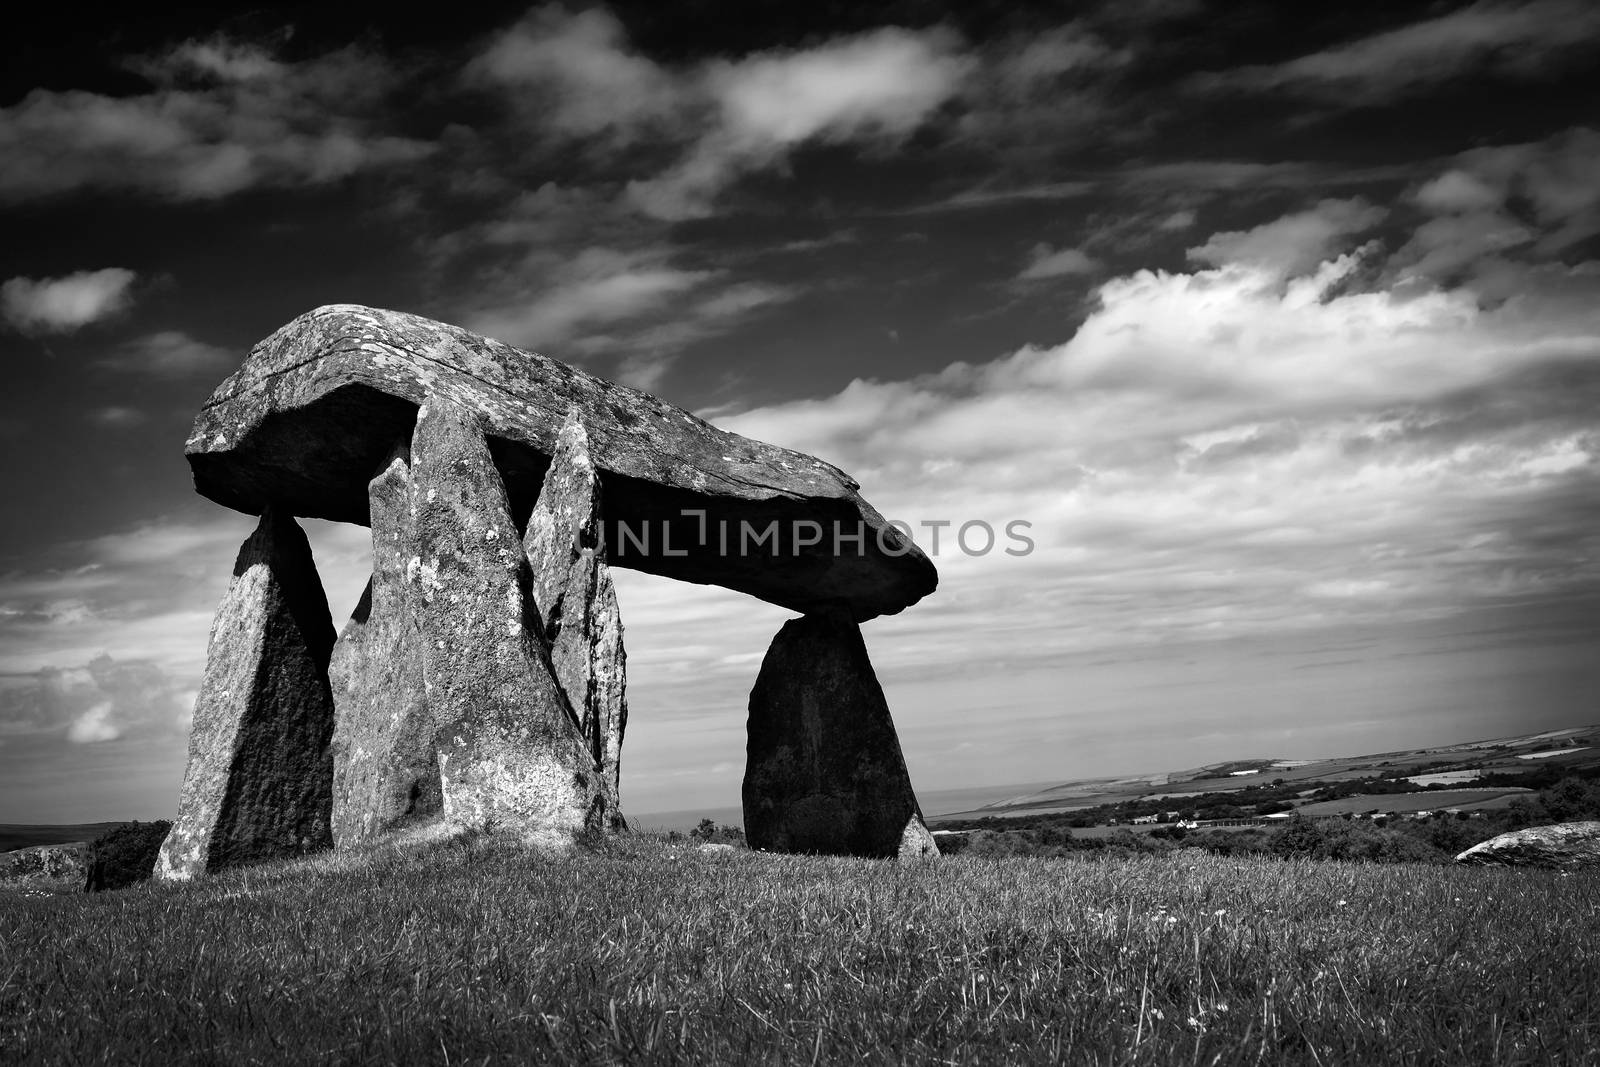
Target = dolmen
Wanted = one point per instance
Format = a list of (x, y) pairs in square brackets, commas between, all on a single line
[(481, 682)]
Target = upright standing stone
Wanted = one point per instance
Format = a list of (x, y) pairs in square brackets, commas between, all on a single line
[(511, 754), (385, 766), (825, 772), (257, 784), (576, 601)]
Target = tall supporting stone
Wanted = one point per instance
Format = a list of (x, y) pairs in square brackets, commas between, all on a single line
[(511, 753), (825, 772), (385, 767), (575, 598), (257, 783)]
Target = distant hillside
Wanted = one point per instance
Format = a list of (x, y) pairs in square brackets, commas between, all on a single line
[(24, 835), (1507, 763)]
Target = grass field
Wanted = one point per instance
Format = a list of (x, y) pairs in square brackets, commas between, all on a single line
[(480, 952)]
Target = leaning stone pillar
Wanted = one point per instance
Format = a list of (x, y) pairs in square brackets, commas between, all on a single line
[(825, 772), (257, 783), (385, 768), (576, 601), (511, 752)]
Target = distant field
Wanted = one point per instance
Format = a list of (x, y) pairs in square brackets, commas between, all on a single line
[(1480, 758), (480, 952), (23, 835), (1445, 777), (1434, 800)]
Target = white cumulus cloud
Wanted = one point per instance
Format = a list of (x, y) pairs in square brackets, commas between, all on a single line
[(65, 304), (1294, 244), (1047, 262), (1228, 451), (873, 88)]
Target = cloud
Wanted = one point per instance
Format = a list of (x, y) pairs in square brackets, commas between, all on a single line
[(143, 593), (637, 308), (576, 77), (1528, 202), (1294, 244), (101, 700), (1055, 263), (106, 640), (219, 117), (874, 88), (1230, 175), (1181, 219), (989, 194), (1190, 178), (94, 725), (117, 417), (65, 304), (169, 354), (1240, 449), (1457, 190), (600, 286), (1028, 95), (881, 84), (1529, 40)]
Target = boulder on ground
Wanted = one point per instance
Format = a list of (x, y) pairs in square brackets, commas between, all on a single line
[(55, 865), (576, 601), (511, 753), (125, 855), (825, 772), (385, 764), (316, 407), (257, 786), (1564, 846), (917, 841)]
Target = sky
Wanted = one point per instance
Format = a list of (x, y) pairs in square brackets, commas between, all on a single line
[(1278, 332)]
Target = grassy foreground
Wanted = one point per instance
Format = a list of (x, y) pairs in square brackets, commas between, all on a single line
[(480, 952)]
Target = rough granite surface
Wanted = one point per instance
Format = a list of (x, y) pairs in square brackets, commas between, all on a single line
[(825, 772), (576, 600), (511, 754), (317, 406), (258, 781), (385, 767)]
